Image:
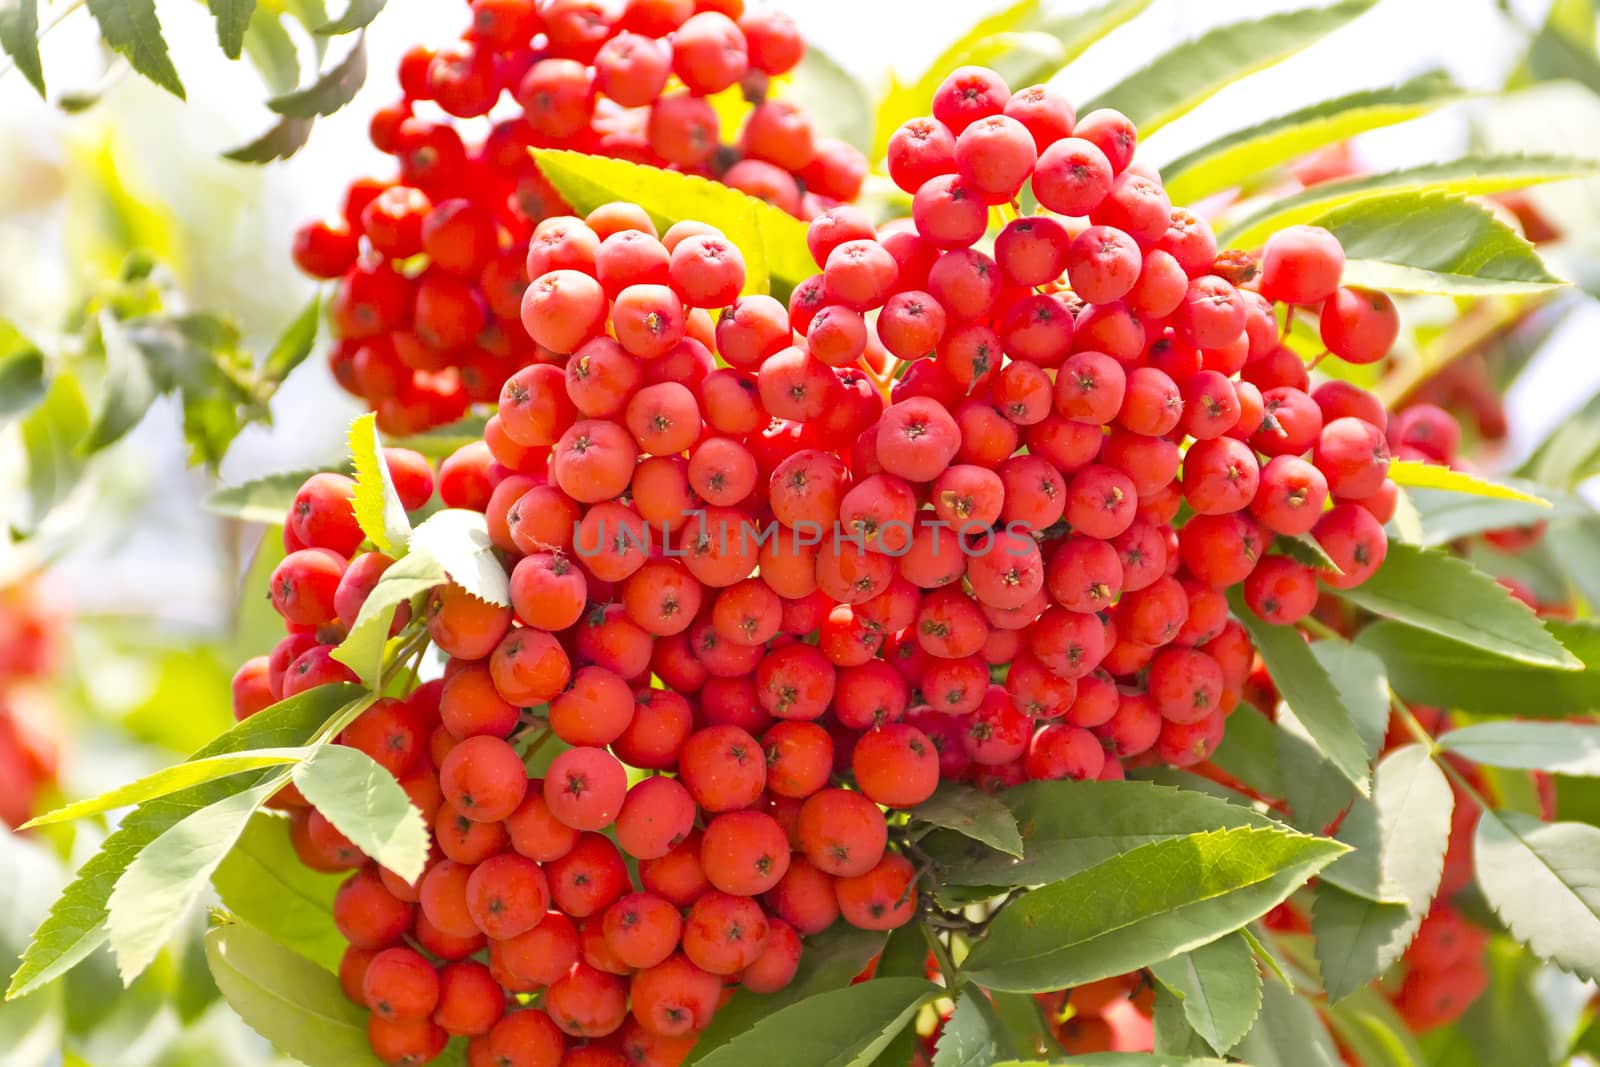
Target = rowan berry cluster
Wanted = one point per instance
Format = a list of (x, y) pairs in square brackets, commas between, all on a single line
[(430, 262), (30, 638), (795, 565)]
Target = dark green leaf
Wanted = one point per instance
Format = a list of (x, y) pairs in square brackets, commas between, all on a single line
[(19, 39), (22, 382), (130, 387), (973, 813), (358, 14), (772, 241), (969, 1038), (1440, 593), (332, 91), (1434, 243), (1068, 827), (1429, 669), (1143, 906), (1472, 176), (1556, 747), (263, 882), (233, 17), (1306, 686), (1400, 839), (1023, 1021), (831, 959), (76, 925), (364, 803), (287, 999), (1173, 1034), (1176, 83), (133, 31), (1219, 987), (1543, 880), (280, 142), (1249, 752), (266, 499), (1245, 156), (295, 343), (51, 435), (1287, 1033), (1121, 1059), (841, 1028)]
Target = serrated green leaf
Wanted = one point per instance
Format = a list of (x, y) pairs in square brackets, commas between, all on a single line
[(1308, 689), (357, 15), (1249, 752), (76, 924), (130, 387), (1244, 156), (378, 509), (831, 959), (283, 140), (1429, 669), (1022, 1020), (459, 541), (1068, 827), (1176, 83), (19, 39), (132, 30), (1143, 906), (1173, 1034), (1304, 549), (1556, 747), (171, 780), (364, 803), (287, 999), (968, 1038), (335, 88), (1074, 34), (51, 435), (263, 882), (771, 240), (973, 813), (272, 51), (1445, 515), (1414, 242), (1400, 839), (1121, 1059), (1543, 880), (1446, 595), (168, 875), (1358, 676), (363, 648), (1220, 989), (266, 499), (1287, 1033), (22, 382), (842, 1028), (233, 18), (1471, 176), (295, 343)]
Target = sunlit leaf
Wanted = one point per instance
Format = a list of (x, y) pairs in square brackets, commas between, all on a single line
[(132, 30)]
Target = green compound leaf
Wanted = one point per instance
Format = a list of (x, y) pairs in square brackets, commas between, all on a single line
[(19, 39), (168, 875), (164, 782), (364, 803), (1448, 596), (266, 499), (378, 509), (842, 1028), (837, 99), (332, 91), (1141, 907), (1244, 156), (1176, 83), (1471, 176), (1219, 987), (263, 882), (132, 30), (1435, 243), (1068, 827), (1400, 838), (233, 18), (459, 541), (973, 813), (1555, 747), (1430, 669), (1543, 880), (772, 241), (1416, 475), (76, 924), (287, 999)]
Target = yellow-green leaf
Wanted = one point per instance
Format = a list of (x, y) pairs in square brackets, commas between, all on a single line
[(1417, 475), (377, 505), (172, 779)]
